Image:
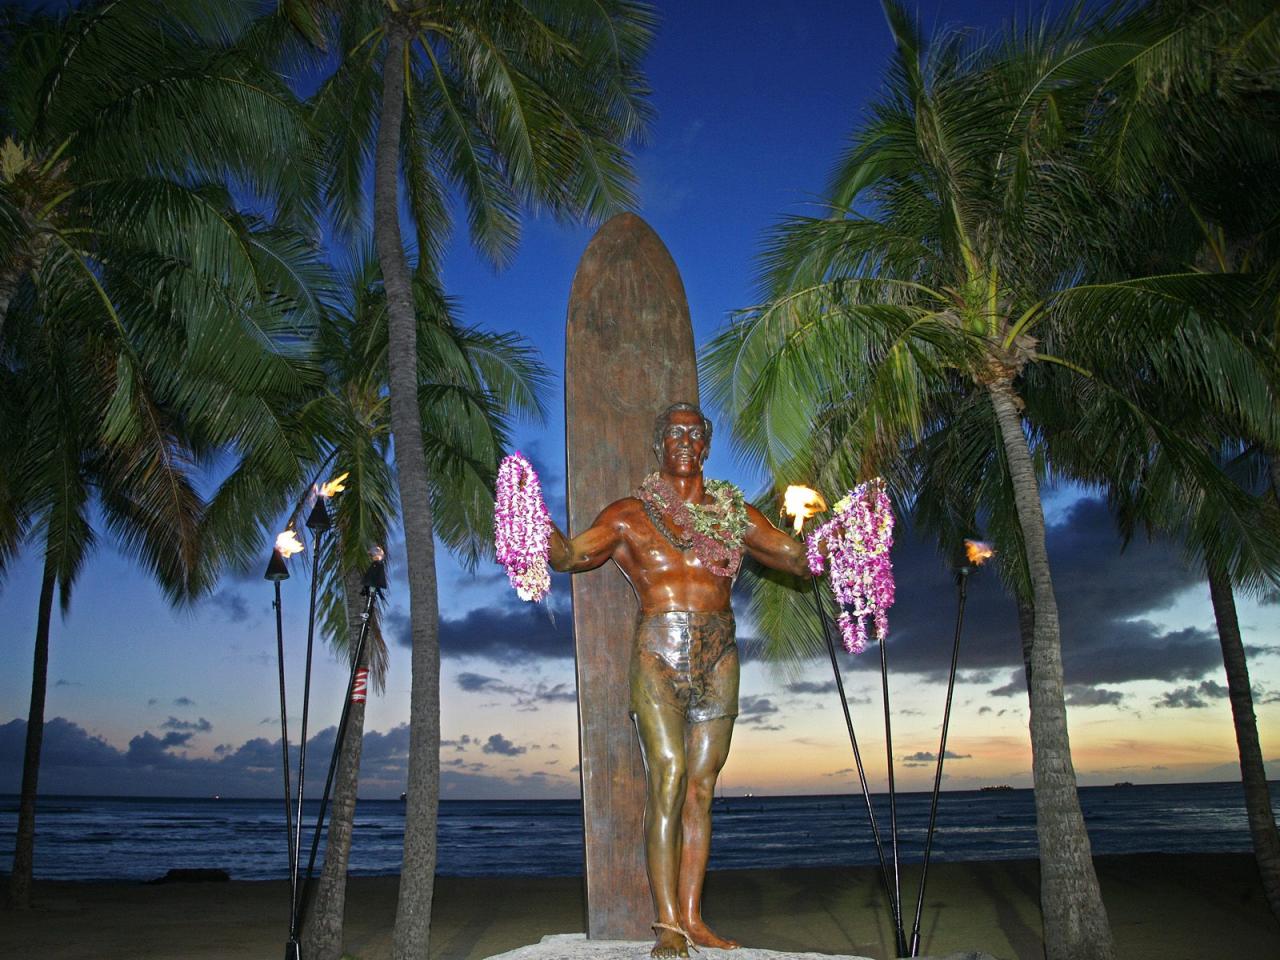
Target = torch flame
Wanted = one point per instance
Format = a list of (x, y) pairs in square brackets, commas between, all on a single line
[(288, 544), (330, 487), (978, 552), (802, 503)]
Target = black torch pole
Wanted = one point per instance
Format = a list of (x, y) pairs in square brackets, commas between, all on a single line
[(277, 572), (962, 582), (857, 754), (318, 522), (893, 803), (284, 724), (375, 580)]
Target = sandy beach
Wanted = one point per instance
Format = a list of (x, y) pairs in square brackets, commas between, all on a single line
[(1171, 907)]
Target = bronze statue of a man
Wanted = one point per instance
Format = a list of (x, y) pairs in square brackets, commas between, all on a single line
[(679, 543)]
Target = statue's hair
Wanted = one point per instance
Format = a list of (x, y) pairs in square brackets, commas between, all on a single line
[(664, 418)]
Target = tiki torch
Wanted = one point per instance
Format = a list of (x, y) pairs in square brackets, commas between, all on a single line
[(801, 503), (375, 581), (318, 522), (287, 544), (973, 554)]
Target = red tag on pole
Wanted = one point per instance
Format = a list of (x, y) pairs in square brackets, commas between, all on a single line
[(358, 688)]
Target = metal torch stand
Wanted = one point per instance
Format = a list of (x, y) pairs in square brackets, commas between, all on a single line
[(375, 581)]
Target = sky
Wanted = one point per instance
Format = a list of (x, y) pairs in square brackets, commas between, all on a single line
[(751, 112)]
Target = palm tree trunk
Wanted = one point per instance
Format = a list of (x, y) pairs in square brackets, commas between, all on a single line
[(24, 846), (417, 876), (1027, 634), (8, 284), (1075, 919), (326, 912), (1257, 796)]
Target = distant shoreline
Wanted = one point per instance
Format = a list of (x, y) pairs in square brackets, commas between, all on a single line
[(6, 797)]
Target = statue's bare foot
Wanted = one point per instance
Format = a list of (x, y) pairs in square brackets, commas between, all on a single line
[(671, 942), (704, 936)]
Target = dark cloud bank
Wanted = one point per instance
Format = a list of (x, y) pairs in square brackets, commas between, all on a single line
[(1106, 597), (74, 761)]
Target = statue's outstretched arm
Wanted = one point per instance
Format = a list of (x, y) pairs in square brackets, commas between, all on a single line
[(772, 547), (592, 547)]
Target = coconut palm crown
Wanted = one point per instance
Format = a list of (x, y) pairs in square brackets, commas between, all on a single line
[(151, 323), (949, 268), (490, 108)]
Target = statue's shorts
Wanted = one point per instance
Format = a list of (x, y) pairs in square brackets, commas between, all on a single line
[(687, 662)]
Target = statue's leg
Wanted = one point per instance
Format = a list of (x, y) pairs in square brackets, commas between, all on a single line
[(706, 751), (662, 735), (712, 708)]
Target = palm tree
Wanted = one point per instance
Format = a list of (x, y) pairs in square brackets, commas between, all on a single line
[(1190, 151), (148, 323), (1183, 508), (470, 383), (947, 276), (496, 105), (1201, 482)]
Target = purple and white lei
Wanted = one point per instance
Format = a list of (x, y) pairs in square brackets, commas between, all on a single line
[(522, 528), (858, 537)]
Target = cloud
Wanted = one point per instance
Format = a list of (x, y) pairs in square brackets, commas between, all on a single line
[(554, 693), (524, 698), (1106, 600), (810, 686), (755, 706), (499, 744), (231, 604), (148, 750), (75, 761), (198, 726), (65, 744), (1079, 695), (459, 745), (476, 682), (1017, 685), (183, 702), (468, 783), (1192, 698), (923, 758), (756, 712), (503, 633), (67, 683)]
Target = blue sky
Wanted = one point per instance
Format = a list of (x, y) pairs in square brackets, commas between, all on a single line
[(754, 102)]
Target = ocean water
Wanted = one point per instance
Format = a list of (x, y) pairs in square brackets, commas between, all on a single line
[(126, 838)]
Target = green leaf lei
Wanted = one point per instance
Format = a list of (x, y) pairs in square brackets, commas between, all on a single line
[(714, 530)]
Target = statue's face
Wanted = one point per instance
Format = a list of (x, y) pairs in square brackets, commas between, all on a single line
[(684, 444)]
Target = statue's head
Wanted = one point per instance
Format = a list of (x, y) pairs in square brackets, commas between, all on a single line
[(681, 429)]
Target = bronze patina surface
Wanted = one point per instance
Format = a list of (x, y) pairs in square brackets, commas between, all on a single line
[(629, 351)]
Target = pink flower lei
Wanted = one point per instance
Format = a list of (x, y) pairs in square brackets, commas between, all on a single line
[(858, 537), (522, 528)]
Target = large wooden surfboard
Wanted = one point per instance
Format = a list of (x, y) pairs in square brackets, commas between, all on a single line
[(628, 355)]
